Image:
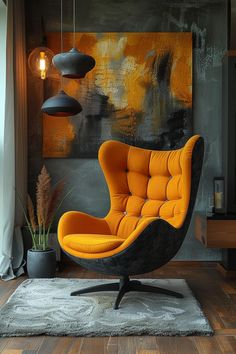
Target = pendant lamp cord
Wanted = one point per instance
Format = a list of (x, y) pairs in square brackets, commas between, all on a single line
[(61, 37), (74, 23)]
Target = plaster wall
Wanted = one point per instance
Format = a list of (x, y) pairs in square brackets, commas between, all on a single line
[(208, 22)]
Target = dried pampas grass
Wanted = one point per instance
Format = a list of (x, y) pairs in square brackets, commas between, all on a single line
[(48, 201), (43, 194), (31, 214)]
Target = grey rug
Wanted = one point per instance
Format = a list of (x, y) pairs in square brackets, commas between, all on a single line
[(44, 306)]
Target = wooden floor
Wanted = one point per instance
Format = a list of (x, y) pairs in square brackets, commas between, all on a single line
[(216, 295)]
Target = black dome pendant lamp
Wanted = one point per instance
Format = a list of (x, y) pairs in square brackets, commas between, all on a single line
[(61, 105), (73, 64)]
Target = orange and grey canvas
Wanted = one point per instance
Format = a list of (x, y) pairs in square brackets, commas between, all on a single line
[(140, 92)]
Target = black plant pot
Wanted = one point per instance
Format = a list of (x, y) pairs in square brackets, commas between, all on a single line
[(41, 264)]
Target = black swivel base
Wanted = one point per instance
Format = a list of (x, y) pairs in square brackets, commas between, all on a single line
[(125, 286)]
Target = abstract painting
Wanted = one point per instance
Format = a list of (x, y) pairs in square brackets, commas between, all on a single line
[(140, 92)]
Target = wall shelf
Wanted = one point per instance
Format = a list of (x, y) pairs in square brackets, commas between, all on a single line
[(217, 231)]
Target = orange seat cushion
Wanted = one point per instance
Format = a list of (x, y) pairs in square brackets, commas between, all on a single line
[(92, 243)]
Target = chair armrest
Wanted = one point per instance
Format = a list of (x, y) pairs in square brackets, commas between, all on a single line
[(75, 222), (154, 226), (163, 227)]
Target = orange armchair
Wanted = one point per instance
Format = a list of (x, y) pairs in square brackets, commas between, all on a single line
[(152, 195)]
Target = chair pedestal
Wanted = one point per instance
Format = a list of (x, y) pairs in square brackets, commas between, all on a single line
[(124, 286)]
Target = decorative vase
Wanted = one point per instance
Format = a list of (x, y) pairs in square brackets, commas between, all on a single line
[(41, 264)]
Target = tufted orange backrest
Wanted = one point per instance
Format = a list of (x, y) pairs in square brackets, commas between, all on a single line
[(146, 184)]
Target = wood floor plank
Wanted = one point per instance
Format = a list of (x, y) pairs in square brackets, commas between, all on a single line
[(137, 345), (112, 345), (127, 345), (225, 332), (48, 345), (227, 344), (177, 345), (208, 345), (228, 287), (17, 351), (9, 287), (94, 345), (12, 351), (24, 343), (213, 317), (220, 307), (147, 351), (75, 347), (63, 345), (3, 343)]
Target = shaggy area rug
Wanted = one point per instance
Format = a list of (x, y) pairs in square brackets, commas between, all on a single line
[(44, 306)]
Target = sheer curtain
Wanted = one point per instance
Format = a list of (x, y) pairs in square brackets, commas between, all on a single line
[(13, 167)]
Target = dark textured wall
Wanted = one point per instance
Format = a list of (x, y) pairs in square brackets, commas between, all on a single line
[(208, 22)]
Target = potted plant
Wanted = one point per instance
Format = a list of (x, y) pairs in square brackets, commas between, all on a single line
[(41, 259)]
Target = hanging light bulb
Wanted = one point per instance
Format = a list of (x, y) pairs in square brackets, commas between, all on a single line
[(42, 65), (40, 62), (73, 64), (61, 105)]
